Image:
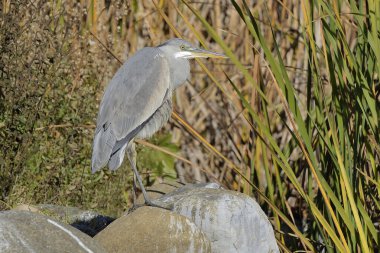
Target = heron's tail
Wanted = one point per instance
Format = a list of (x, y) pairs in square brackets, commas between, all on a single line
[(116, 159), (103, 145)]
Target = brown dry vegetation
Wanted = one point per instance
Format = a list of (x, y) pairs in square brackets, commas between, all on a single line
[(57, 57)]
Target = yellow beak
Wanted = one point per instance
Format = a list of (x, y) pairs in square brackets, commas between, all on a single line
[(202, 53)]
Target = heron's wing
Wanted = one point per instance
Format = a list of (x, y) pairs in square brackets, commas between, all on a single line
[(133, 95)]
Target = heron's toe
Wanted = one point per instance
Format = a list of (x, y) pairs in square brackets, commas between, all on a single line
[(159, 204)]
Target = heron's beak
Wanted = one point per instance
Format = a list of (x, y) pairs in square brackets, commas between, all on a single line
[(201, 53)]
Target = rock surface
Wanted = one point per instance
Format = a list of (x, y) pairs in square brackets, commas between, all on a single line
[(205, 218), (150, 229), (233, 221), (88, 222), (23, 231)]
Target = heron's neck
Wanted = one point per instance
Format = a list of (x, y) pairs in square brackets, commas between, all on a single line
[(179, 70)]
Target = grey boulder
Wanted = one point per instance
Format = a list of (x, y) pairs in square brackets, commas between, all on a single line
[(23, 231), (233, 221), (88, 222), (150, 229)]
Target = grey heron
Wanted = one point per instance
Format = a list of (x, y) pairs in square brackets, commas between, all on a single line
[(138, 102)]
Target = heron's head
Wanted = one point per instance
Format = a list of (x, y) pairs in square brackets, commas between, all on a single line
[(181, 49)]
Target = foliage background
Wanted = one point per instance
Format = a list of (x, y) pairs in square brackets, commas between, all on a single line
[(291, 118)]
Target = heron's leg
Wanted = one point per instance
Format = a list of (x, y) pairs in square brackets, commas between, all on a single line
[(134, 189), (131, 153)]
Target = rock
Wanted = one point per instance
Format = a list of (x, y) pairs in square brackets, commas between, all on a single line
[(150, 229), (233, 221), (23, 231), (88, 222)]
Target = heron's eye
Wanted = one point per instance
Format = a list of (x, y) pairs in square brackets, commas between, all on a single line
[(182, 47)]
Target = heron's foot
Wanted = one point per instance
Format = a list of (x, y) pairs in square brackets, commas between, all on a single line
[(159, 204), (152, 203), (135, 207)]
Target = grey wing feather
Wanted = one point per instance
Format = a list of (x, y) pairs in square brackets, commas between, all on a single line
[(146, 129), (133, 95)]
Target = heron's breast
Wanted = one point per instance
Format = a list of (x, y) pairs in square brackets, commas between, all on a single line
[(159, 118)]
